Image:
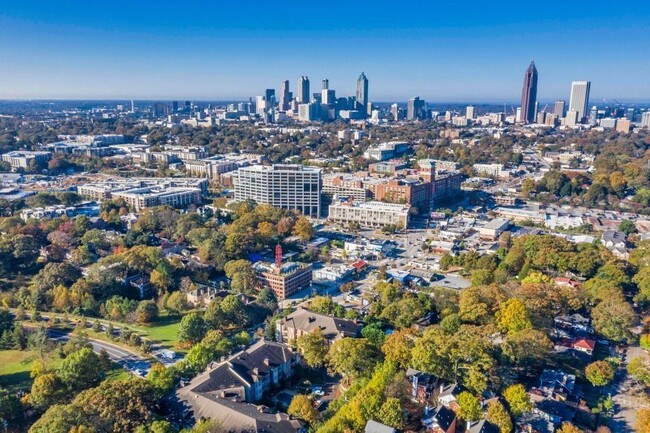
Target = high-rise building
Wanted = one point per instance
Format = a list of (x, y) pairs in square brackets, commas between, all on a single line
[(303, 90), (394, 110), (293, 187), (469, 112), (328, 96), (579, 101), (269, 97), (560, 108), (285, 96), (571, 118), (362, 91), (415, 108), (645, 120), (529, 94), (593, 115)]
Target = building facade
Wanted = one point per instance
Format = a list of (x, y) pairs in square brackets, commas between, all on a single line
[(579, 101), (370, 214), (529, 94), (286, 279)]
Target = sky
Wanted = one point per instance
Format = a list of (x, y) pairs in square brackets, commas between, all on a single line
[(443, 51)]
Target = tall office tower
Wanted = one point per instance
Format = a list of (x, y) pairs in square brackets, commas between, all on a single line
[(303, 90), (560, 107), (645, 120), (415, 108), (362, 91), (328, 95), (571, 118), (285, 96), (394, 109), (132, 106), (580, 98), (174, 106), (630, 114), (293, 187), (469, 112), (269, 97), (529, 94)]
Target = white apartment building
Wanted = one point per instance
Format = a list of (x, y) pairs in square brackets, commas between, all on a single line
[(292, 187), (495, 170), (25, 159), (370, 213), (142, 198)]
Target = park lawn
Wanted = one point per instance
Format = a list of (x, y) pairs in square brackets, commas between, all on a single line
[(164, 331), (15, 366)]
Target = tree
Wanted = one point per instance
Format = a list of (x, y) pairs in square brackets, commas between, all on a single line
[(11, 410), (469, 407), (81, 369), (313, 348), (627, 227), (352, 357), (392, 414), (146, 312), (398, 345), (640, 370), (600, 373), (613, 318), (528, 348), (47, 390), (302, 407), (513, 316), (567, 427), (160, 279), (192, 328), (243, 277), (498, 415), (161, 378), (176, 302), (642, 422), (518, 400), (303, 229)]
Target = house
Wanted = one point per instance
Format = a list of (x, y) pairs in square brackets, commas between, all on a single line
[(423, 385), (481, 426), (556, 384), (567, 282), (303, 321), (449, 394), (584, 345), (373, 426), (439, 420), (574, 322), (203, 295), (616, 242)]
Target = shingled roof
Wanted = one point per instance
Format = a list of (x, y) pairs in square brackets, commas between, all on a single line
[(331, 327)]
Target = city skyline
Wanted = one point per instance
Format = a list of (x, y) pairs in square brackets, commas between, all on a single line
[(226, 52)]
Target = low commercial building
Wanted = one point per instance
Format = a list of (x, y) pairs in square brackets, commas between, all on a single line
[(332, 273), (492, 230), (388, 150), (304, 321), (286, 279), (370, 214), (141, 198)]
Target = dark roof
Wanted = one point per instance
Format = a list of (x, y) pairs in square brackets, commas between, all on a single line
[(482, 426), (444, 417)]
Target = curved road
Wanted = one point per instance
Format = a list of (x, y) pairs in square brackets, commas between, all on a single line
[(115, 353)]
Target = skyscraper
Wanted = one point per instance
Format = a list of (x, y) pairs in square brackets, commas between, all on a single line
[(328, 96), (303, 90), (362, 91), (415, 108), (285, 96), (529, 94), (580, 99), (560, 107), (469, 112)]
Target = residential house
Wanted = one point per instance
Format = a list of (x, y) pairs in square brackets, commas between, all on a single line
[(449, 394), (481, 426), (584, 345), (373, 426), (423, 385), (439, 420), (616, 242)]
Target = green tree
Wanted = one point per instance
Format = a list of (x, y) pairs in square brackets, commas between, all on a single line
[(600, 373), (613, 318), (513, 317), (243, 278), (498, 415), (47, 390), (161, 378), (518, 400), (392, 414), (192, 328), (567, 427), (302, 407), (627, 227), (642, 422), (398, 346), (146, 312), (11, 410), (640, 370), (352, 357), (313, 348), (469, 407), (81, 369), (528, 348)]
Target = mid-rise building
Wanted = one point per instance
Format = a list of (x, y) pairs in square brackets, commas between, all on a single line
[(645, 120), (579, 101), (370, 214), (623, 125), (292, 187), (405, 191), (388, 150), (26, 160), (560, 108), (286, 279), (470, 112)]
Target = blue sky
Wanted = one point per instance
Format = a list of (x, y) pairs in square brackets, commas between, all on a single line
[(443, 51)]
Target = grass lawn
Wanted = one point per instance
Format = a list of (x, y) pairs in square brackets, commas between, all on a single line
[(15, 366), (164, 331)]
